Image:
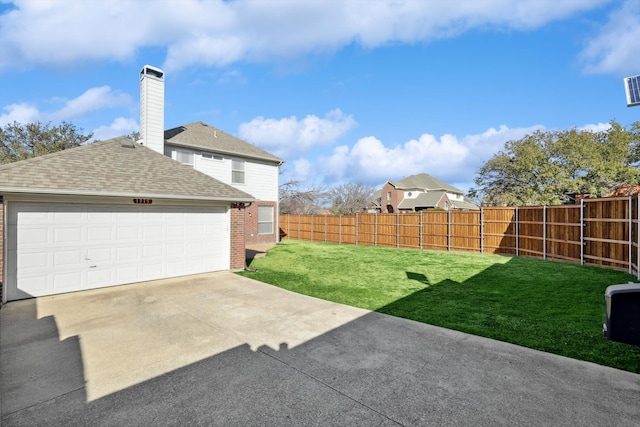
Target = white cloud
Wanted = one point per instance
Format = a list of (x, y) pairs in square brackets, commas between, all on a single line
[(290, 135), (450, 158), (93, 99), (616, 48), (598, 127), (21, 113), (217, 32), (119, 127)]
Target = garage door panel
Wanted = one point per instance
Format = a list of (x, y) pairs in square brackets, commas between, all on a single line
[(35, 284), (64, 282), (68, 257), (67, 234), (101, 255), (72, 215), (152, 251), (100, 234), (124, 253), (100, 277), (127, 232), (34, 236), (59, 248), (35, 260)]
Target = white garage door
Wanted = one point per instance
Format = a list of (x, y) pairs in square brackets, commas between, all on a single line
[(55, 248)]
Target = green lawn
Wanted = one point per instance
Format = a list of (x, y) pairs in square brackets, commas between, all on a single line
[(550, 306)]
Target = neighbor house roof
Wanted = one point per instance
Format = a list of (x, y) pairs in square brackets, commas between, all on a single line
[(424, 200), (116, 167), (202, 136), (424, 181), (464, 205)]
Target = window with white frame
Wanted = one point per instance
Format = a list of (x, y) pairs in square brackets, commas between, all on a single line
[(237, 171), (265, 219), (185, 157)]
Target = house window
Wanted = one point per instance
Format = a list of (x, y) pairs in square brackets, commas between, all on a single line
[(237, 171), (265, 219), (184, 157), (446, 206), (210, 156), (168, 152), (388, 195)]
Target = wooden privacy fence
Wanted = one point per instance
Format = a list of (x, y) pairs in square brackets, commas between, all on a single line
[(597, 231)]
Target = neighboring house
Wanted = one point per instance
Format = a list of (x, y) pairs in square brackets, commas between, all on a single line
[(419, 192), (117, 212)]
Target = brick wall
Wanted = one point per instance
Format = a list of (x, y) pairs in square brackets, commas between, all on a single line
[(238, 256), (1, 246), (396, 197), (251, 224)]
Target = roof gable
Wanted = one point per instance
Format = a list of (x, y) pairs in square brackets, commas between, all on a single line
[(424, 200), (116, 167), (200, 135), (423, 181)]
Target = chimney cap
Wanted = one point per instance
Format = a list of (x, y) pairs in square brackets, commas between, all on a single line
[(149, 70)]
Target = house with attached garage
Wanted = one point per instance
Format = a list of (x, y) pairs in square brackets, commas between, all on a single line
[(118, 211)]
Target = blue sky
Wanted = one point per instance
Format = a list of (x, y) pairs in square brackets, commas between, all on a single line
[(343, 91)]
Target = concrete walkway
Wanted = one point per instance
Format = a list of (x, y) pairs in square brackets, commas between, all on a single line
[(219, 349)]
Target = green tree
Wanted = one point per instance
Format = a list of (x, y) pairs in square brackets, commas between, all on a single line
[(546, 166), (19, 142)]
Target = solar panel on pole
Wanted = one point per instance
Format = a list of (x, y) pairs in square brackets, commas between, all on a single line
[(632, 88)]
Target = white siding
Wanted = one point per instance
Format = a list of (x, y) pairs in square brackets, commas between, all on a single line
[(261, 179), (152, 110)]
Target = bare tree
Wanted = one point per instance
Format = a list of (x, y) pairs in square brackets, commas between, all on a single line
[(296, 198), (350, 198)]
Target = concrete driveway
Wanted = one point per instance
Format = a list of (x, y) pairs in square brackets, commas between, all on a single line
[(219, 349)]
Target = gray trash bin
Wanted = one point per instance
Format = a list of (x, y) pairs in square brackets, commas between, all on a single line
[(623, 313)]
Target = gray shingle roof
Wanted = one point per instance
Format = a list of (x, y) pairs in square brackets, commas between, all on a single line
[(202, 136), (424, 200), (108, 168), (465, 205), (425, 181)]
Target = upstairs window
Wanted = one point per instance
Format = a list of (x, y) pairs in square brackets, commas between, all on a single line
[(184, 157), (237, 171)]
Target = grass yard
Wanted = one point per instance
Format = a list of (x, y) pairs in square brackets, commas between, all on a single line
[(550, 306)]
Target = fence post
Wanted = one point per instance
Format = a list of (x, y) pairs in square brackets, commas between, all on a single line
[(630, 233), (420, 228), (311, 234), (397, 231), (517, 232), (481, 231), (325, 228), (449, 231), (339, 229), (299, 217), (582, 241), (544, 232), (375, 230), (356, 228)]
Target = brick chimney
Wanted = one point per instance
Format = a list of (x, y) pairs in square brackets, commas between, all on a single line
[(152, 108)]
